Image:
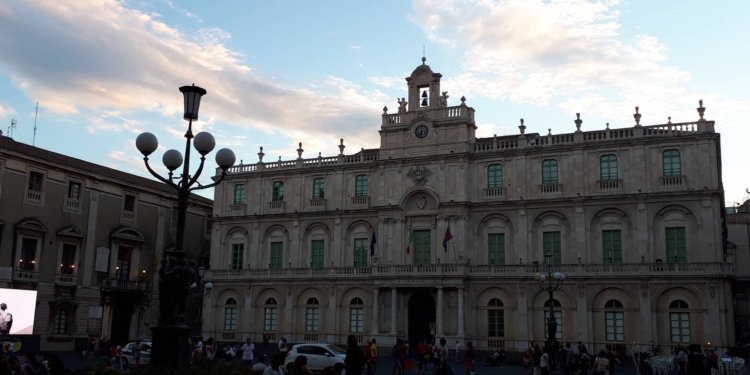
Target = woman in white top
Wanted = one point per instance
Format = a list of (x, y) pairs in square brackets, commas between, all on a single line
[(20, 369), (544, 363)]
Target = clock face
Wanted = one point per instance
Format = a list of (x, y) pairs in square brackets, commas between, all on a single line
[(421, 131)]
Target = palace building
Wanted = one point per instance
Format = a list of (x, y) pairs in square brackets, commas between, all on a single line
[(634, 218)]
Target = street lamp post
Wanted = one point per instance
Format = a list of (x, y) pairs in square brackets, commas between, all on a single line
[(176, 276), (550, 282)]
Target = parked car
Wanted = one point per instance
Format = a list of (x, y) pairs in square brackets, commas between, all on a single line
[(319, 356), (129, 351)]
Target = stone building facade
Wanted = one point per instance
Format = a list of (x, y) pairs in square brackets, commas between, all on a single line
[(633, 217), (87, 238), (738, 248)]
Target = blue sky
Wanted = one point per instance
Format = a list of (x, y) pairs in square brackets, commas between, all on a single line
[(278, 73)]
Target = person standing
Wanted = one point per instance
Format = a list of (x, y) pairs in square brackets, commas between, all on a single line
[(137, 353), (355, 359), (118, 358), (443, 367), (368, 357), (374, 355), (422, 358), (247, 352), (544, 363), (282, 347), (458, 350), (91, 346), (469, 358), (6, 319), (398, 364)]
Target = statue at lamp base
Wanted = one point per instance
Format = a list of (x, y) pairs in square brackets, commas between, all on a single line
[(176, 278)]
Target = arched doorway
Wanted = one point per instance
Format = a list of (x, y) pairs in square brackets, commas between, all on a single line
[(421, 314)]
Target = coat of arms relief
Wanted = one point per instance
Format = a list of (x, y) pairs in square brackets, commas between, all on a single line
[(419, 174)]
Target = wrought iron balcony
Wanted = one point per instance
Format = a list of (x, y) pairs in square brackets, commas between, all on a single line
[(25, 276), (116, 284)]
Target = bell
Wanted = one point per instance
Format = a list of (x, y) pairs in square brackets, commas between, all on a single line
[(424, 102), (424, 94)]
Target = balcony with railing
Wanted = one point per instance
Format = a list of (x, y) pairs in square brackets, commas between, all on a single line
[(276, 206), (128, 215), (316, 204), (695, 269), (459, 113), (494, 193), (73, 205), (63, 279), (25, 276), (34, 196), (122, 285), (609, 185), (550, 188), (361, 202), (237, 209), (672, 182)]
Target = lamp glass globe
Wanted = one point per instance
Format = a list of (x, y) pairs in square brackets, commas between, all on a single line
[(544, 277), (537, 276), (204, 142), (146, 143), (172, 159), (225, 158), (558, 275), (209, 286)]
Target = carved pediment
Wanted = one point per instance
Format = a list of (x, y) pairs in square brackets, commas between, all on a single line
[(31, 224), (127, 233), (70, 231)]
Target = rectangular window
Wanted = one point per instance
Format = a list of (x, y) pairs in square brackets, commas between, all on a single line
[(230, 318), (28, 254), (497, 248), (558, 318), (278, 191), (67, 264), (74, 190), (495, 176), (61, 322), (270, 324), (238, 255), (356, 320), (317, 252), (552, 246), (36, 181), (239, 194), (360, 252), (360, 189), (671, 162), (422, 247), (679, 324), (496, 323), (608, 167), (312, 319), (676, 244), (124, 255), (615, 325), (612, 246), (129, 204), (277, 255), (549, 172), (319, 188)]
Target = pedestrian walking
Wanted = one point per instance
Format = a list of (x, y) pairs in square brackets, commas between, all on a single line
[(247, 352), (355, 359)]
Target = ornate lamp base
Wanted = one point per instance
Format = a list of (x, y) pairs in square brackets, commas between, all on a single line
[(171, 346)]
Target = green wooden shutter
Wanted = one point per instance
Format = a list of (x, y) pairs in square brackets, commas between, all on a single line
[(277, 255), (608, 167), (676, 244), (496, 248), (495, 176), (360, 188), (421, 247), (552, 245), (238, 253), (360, 252), (612, 246), (318, 249), (549, 172)]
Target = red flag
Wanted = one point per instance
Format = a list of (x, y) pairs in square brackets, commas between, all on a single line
[(447, 238)]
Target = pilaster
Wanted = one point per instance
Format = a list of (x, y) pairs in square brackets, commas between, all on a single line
[(88, 267)]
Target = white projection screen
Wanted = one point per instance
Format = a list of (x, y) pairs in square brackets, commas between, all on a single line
[(19, 313)]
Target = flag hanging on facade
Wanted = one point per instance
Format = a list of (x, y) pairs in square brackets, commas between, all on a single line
[(372, 244), (411, 242), (447, 238)]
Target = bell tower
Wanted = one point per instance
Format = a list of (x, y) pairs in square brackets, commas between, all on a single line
[(424, 88)]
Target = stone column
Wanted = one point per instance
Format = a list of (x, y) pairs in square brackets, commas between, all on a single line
[(394, 302), (460, 312), (439, 315), (375, 308)]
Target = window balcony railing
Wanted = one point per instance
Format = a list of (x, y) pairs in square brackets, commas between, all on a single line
[(112, 283), (673, 181), (361, 201), (495, 343), (609, 184), (228, 335), (236, 209), (310, 337), (128, 215), (317, 204), (270, 336), (73, 205), (25, 276), (550, 188), (494, 193), (66, 279), (34, 196), (276, 206)]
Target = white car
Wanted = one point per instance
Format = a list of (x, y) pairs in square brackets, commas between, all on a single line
[(319, 356), (129, 351)]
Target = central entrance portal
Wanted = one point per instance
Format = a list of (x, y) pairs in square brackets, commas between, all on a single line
[(421, 314)]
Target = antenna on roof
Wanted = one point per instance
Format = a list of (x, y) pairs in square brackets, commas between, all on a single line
[(11, 127), (36, 113)]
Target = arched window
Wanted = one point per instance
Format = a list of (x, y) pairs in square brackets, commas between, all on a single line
[(230, 315), (549, 172), (614, 321), (495, 176), (356, 316), (319, 188), (360, 186), (495, 318), (239, 193), (671, 162), (679, 322), (278, 191), (312, 316), (61, 322), (271, 314), (558, 318), (608, 167)]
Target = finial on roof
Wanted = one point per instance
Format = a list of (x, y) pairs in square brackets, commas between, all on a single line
[(341, 147), (423, 60), (279, 158), (550, 131), (578, 122), (261, 155), (522, 127), (637, 117), (607, 126), (669, 120), (701, 110), (319, 154), (300, 151), (240, 161), (463, 99), (385, 110)]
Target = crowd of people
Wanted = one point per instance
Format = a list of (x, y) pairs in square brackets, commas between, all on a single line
[(566, 361), (51, 364)]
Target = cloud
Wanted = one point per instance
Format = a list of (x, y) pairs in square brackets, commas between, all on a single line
[(356, 47), (388, 82), (565, 54), (6, 110), (77, 68), (184, 12)]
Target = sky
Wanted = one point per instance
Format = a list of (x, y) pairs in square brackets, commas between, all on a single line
[(282, 72)]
